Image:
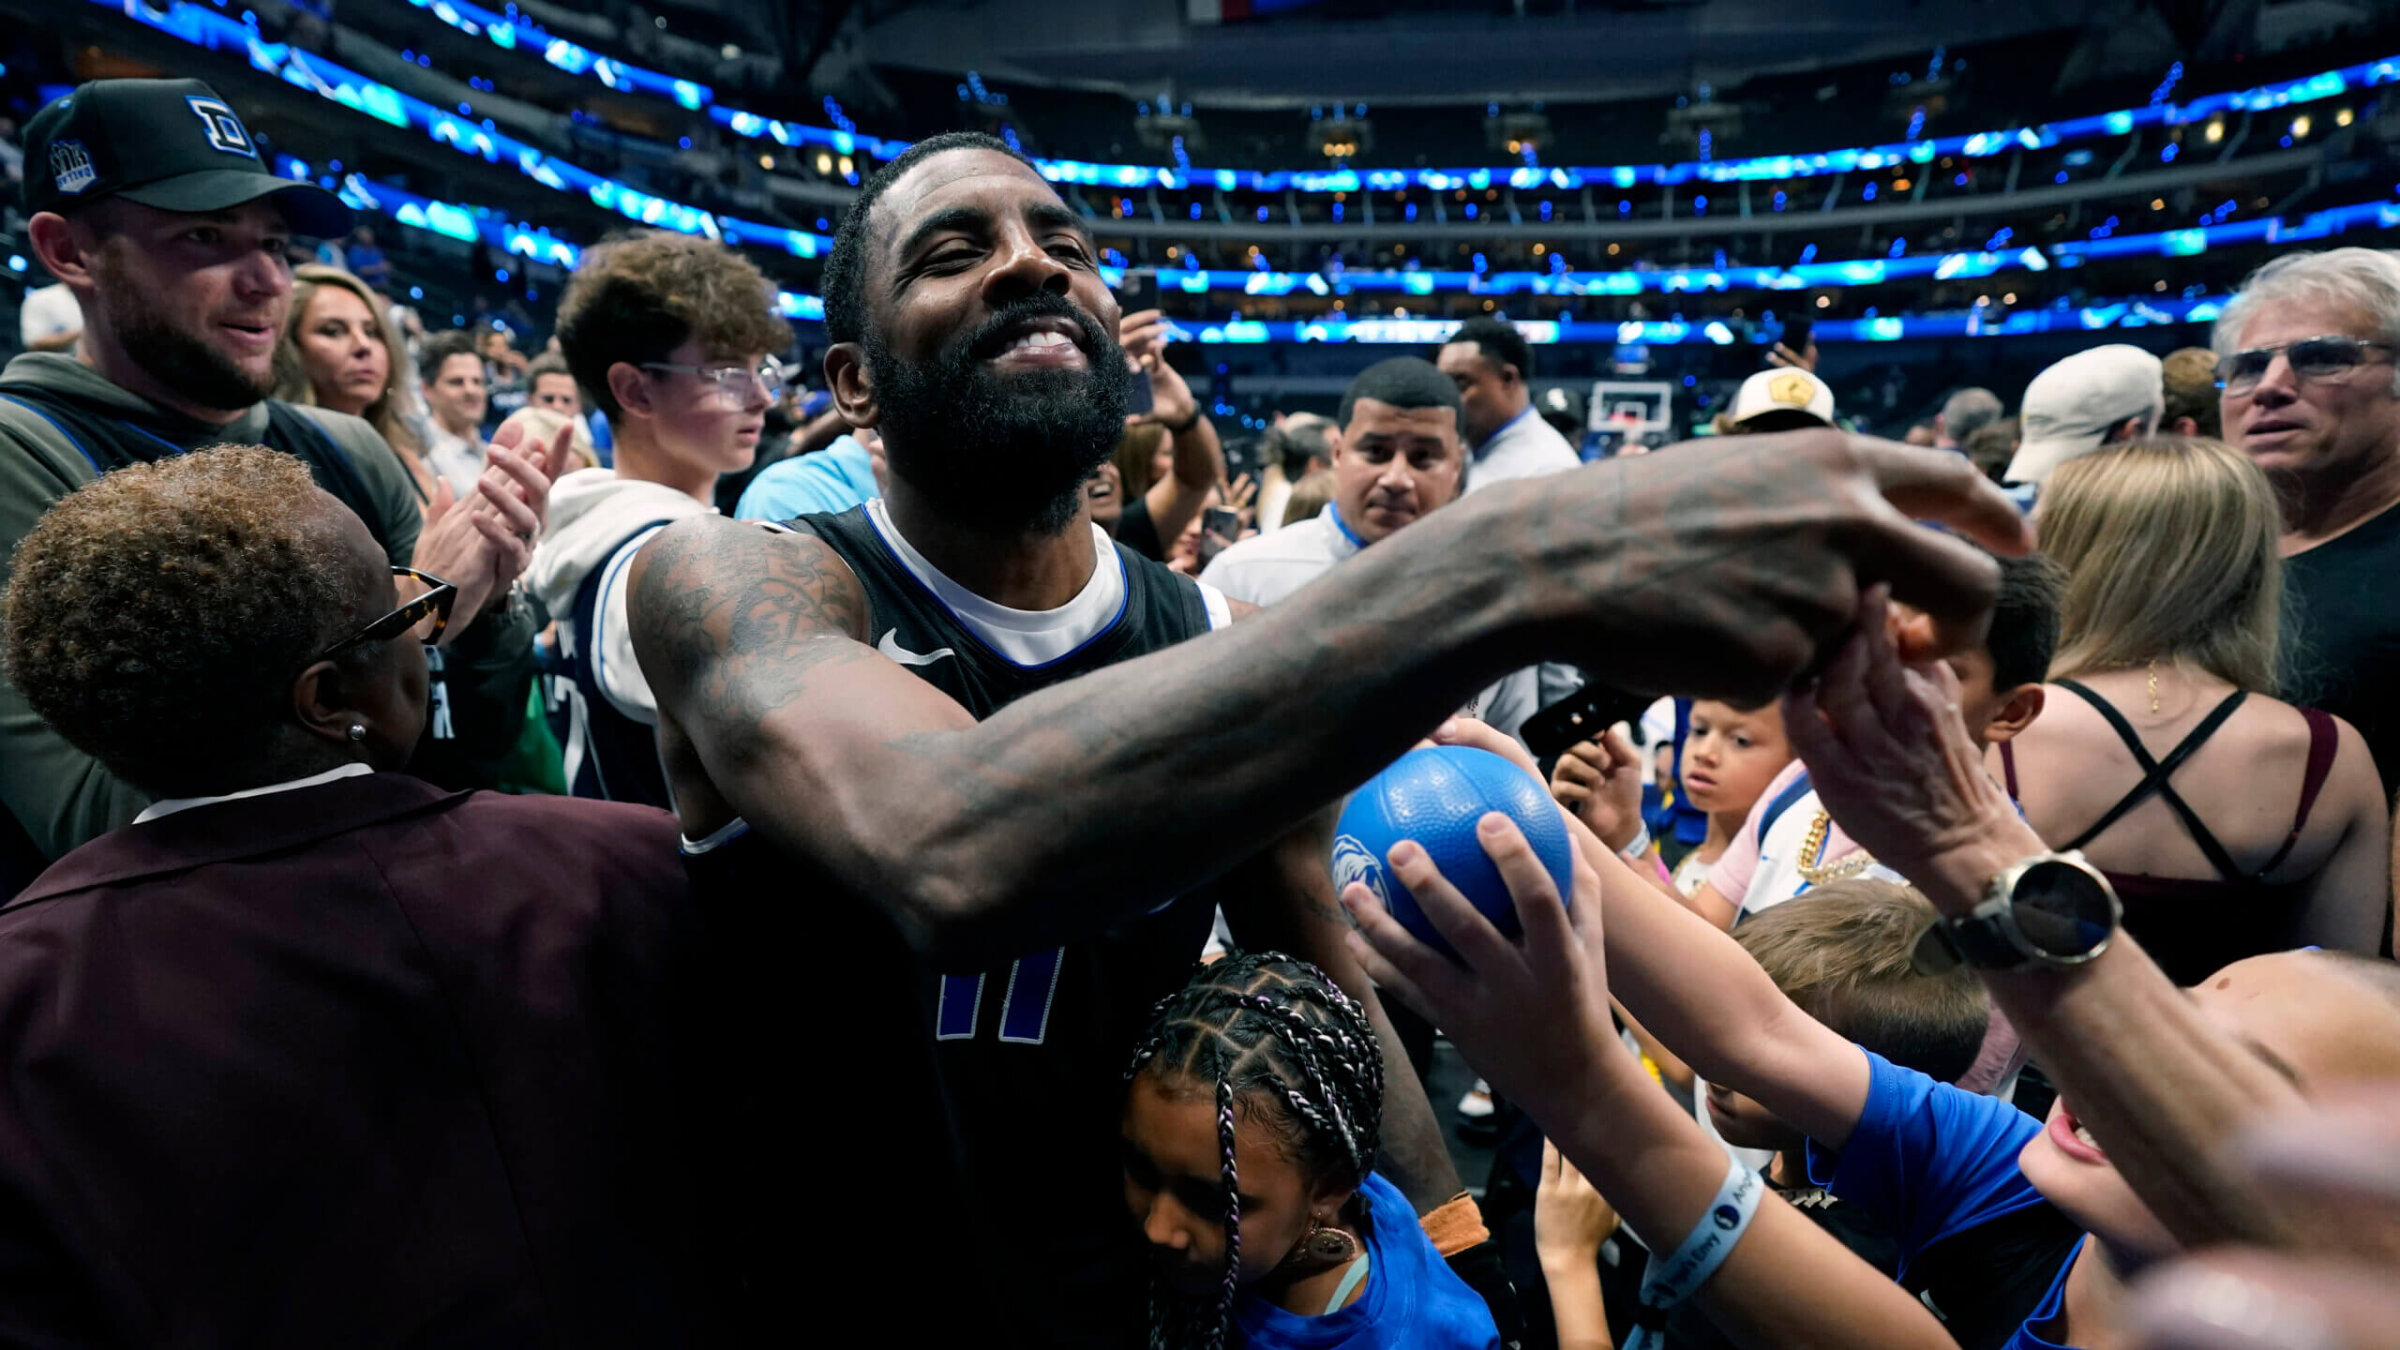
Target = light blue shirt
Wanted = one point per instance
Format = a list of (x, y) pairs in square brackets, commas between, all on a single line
[(836, 478)]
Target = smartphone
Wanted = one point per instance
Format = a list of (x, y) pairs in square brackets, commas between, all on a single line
[(1219, 526), (1584, 715), (1139, 292), (1796, 334)]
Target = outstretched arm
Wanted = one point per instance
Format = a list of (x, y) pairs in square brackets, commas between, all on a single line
[(1717, 568), (1532, 1015), (1693, 987), (2158, 1083)]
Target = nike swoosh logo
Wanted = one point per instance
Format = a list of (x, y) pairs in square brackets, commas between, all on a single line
[(906, 657)]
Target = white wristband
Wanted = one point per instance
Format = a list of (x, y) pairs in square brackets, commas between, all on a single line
[(1640, 847), (1672, 1279)]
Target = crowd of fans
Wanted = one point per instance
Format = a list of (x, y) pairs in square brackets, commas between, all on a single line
[(452, 795)]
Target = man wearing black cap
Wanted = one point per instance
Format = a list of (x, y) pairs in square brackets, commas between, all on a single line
[(147, 198)]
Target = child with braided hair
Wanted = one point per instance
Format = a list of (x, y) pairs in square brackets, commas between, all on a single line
[(1252, 1112)]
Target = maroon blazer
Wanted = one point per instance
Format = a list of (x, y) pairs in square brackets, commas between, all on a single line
[(362, 1064)]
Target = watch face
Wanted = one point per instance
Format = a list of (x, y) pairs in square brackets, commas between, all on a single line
[(2064, 912)]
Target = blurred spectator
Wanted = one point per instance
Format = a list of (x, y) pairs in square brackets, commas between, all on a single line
[(1310, 496), (414, 1040), (551, 387), (2231, 824), (1963, 413), (668, 331), (1784, 399), (367, 262), (2103, 396), (2322, 417), (2192, 398), (1922, 432), (1292, 449), (1399, 458), (504, 370), (181, 352), (1993, 445), (338, 354), (1492, 364), (821, 482), (1565, 410), (12, 154), (50, 320), (457, 397), (1187, 461)]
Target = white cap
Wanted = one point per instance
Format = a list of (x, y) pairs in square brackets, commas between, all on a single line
[(1786, 389), (2070, 406)]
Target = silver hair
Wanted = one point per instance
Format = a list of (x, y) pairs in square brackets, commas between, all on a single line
[(2362, 278)]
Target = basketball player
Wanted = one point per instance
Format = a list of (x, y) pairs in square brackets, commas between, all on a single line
[(961, 805)]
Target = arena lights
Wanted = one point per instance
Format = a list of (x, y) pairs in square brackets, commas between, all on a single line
[(513, 31), (481, 224), (1546, 332), (472, 20), (205, 28)]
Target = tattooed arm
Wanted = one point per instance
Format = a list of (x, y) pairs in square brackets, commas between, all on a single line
[(1718, 569)]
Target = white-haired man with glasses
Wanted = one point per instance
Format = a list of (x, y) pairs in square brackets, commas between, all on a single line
[(672, 337), (2305, 365)]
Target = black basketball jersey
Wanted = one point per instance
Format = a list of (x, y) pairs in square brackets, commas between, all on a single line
[(991, 1097)]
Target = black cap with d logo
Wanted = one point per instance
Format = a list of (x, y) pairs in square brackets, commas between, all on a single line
[(169, 144)]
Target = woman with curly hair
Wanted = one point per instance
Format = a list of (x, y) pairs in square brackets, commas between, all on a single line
[(314, 1052)]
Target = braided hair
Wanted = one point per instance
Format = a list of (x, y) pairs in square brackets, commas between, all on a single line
[(1276, 1036)]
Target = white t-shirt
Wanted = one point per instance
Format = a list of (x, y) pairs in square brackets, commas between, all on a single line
[(1527, 447), (48, 313), (1265, 568)]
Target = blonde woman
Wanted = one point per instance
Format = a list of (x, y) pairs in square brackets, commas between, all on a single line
[(2231, 824), (337, 353)]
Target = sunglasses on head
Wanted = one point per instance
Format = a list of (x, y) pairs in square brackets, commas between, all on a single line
[(436, 602), (2311, 358)]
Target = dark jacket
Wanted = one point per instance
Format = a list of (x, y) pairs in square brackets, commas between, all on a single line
[(60, 795), (358, 1064)]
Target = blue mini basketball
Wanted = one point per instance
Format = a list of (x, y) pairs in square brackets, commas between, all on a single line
[(1434, 796)]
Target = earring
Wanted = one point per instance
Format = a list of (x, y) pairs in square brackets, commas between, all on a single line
[(1329, 1245), (358, 731)]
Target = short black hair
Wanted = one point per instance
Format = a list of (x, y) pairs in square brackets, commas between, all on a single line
[(440, 348), (1403, 382), (2024, 633), (1498, 340), (846, 266)]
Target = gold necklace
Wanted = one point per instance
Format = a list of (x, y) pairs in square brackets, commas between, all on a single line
[(1814, 847), (2154, 686)]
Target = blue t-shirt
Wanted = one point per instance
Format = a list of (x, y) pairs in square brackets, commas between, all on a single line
[(1413, 1299), (830, 480), (1939, 1165)]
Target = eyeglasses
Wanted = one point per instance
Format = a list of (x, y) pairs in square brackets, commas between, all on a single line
[(436, 601), (2312, 358), (731, 383)]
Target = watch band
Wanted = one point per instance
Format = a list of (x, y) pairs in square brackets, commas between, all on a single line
[(1990, 937), (1178, 428)]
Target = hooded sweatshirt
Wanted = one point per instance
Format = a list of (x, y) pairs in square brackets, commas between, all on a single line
[(598, 521)]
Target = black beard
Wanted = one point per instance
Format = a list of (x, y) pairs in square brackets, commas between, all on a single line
[(193, 369), (1002, 454)]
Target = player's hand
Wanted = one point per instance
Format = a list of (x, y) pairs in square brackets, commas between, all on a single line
[(1887, 751), (1803, 359), (1530, 1015), (1727, 568), (1570, 1218), (1600, 783), (2341, 1156)]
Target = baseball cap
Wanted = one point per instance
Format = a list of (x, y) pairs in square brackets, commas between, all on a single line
[(169, 144), (2070, 406), (1785, 398), (1559, 404)]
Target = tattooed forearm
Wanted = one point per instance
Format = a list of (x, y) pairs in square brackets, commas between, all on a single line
[(735, 617)]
